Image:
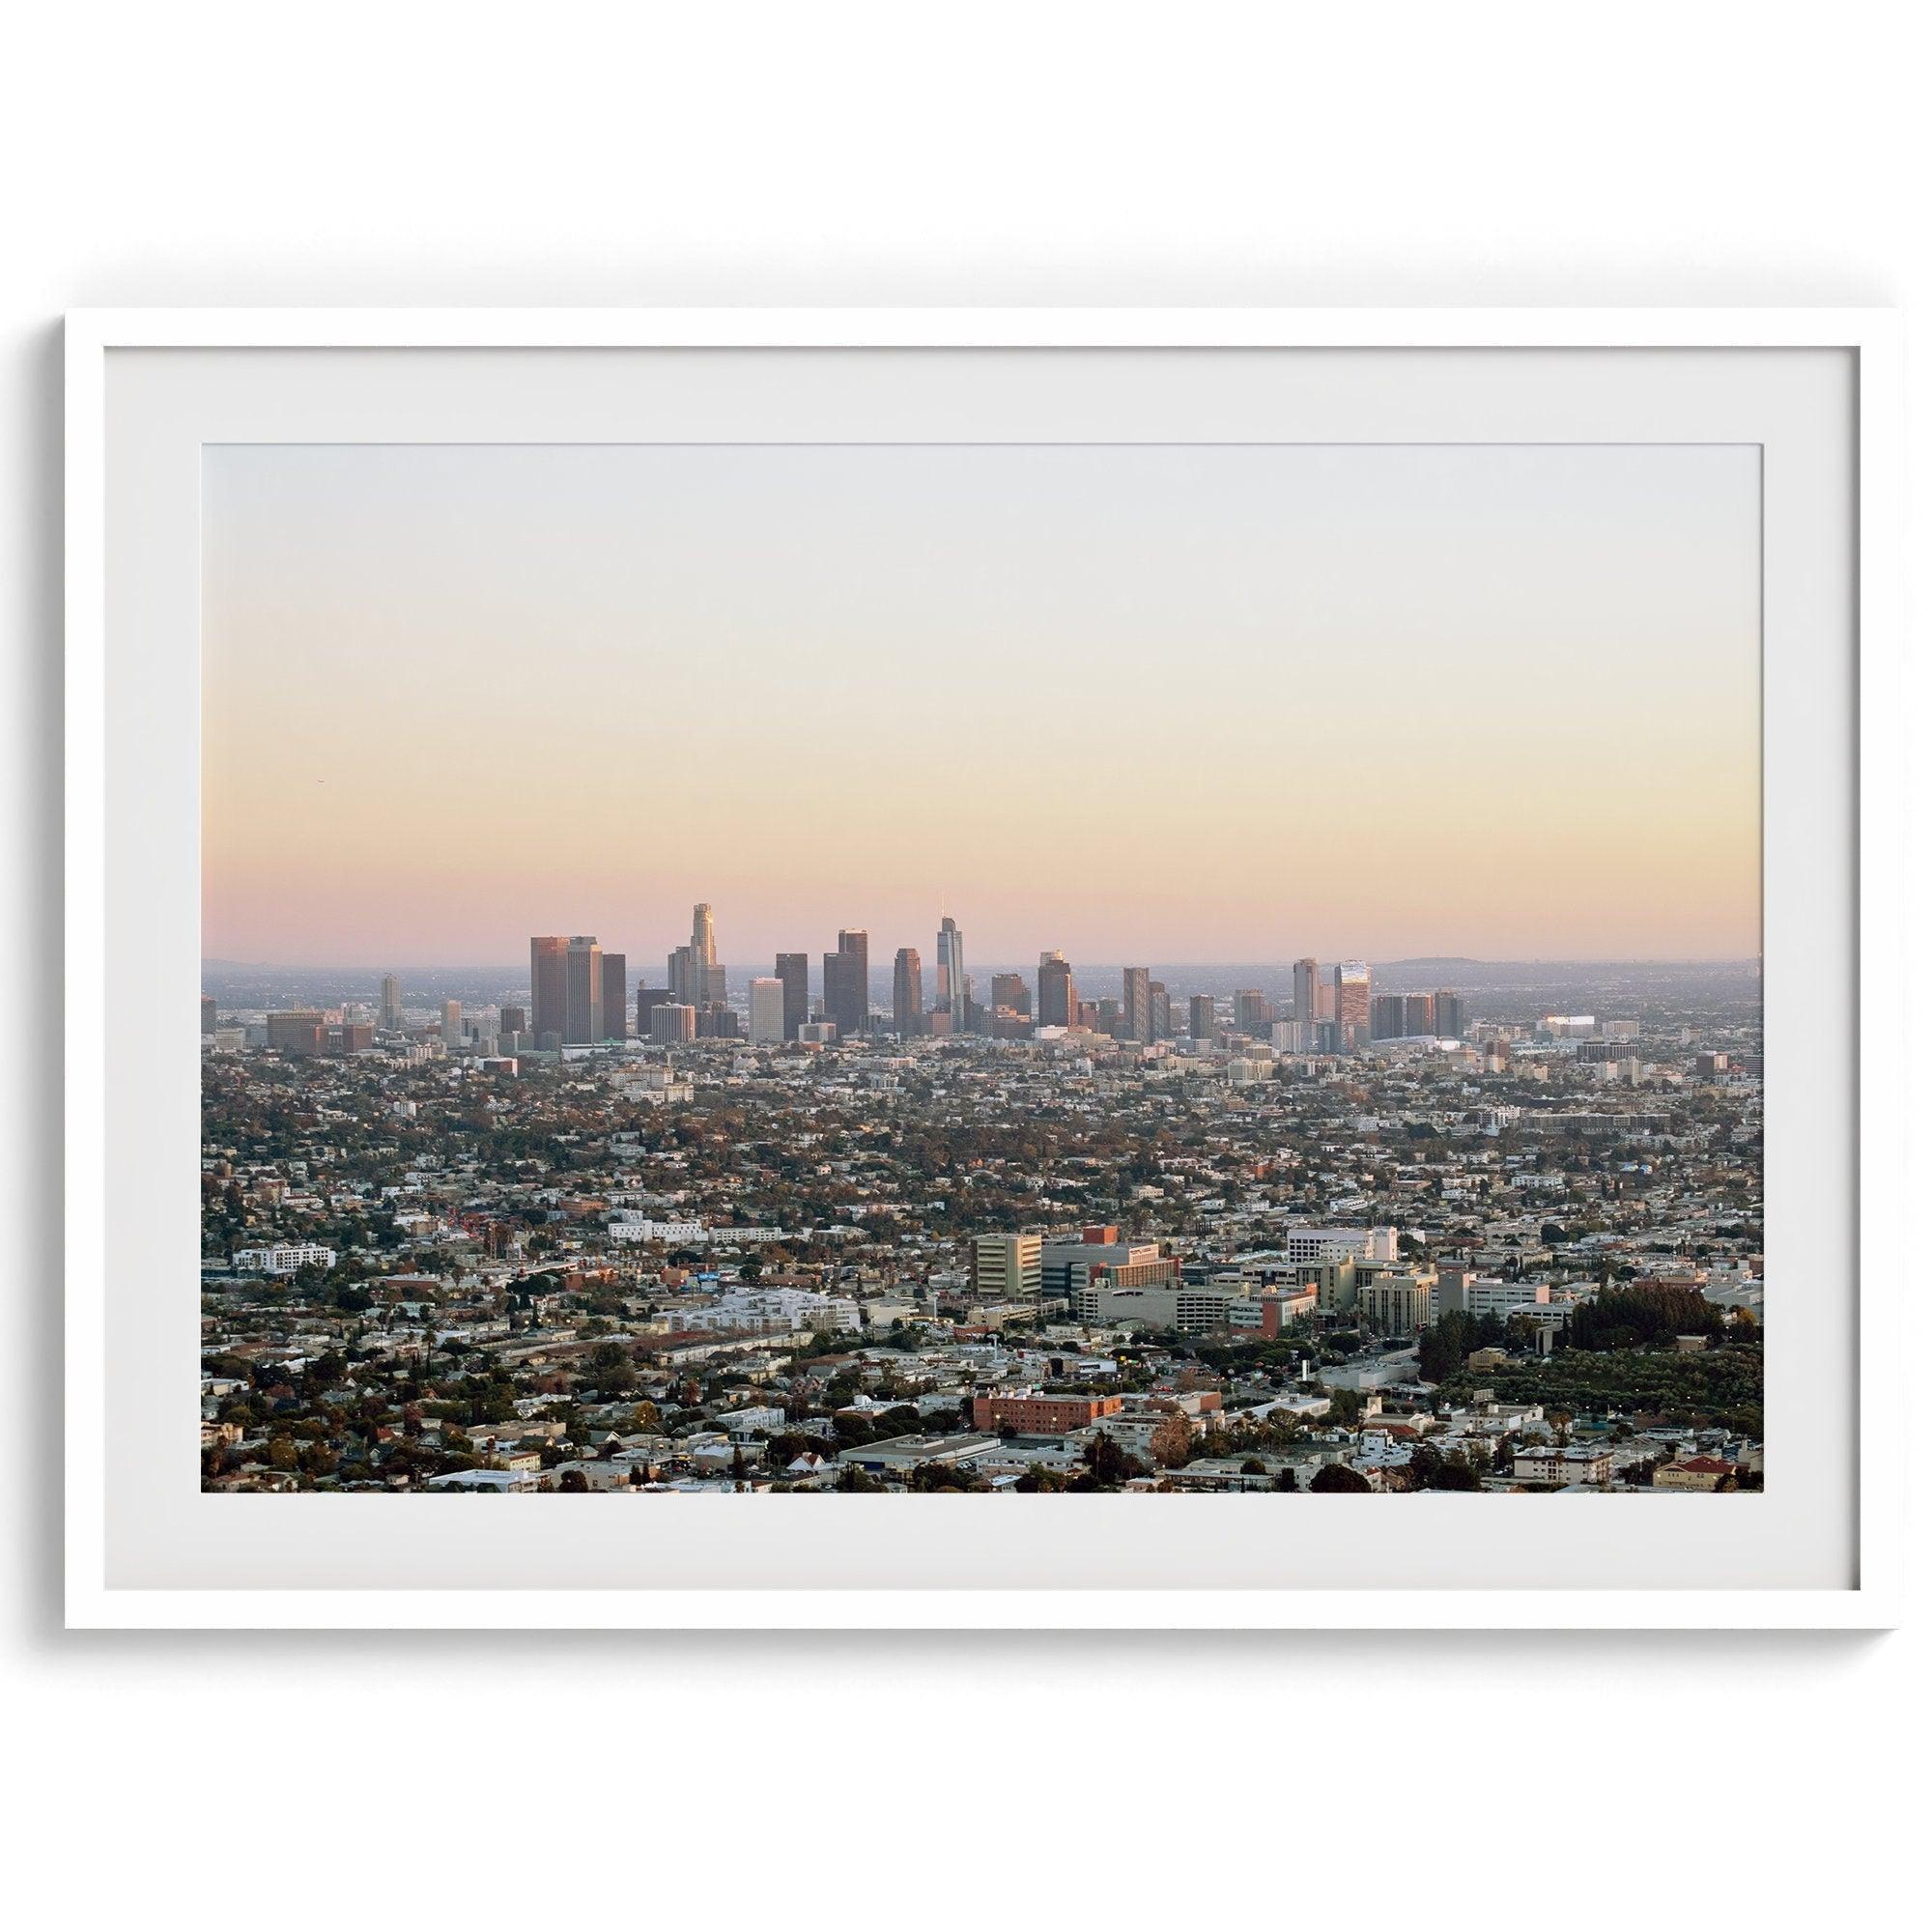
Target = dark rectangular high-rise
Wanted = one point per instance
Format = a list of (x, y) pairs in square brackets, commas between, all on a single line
[(843, 1003), (835, 999), (908, 993), (1136, 1022), (1307, 976), (848, 984), (300, 1031), (549, 995), (1059, 997), (792, 969), (1449, 1016), (1011, 991), (1418, 1014), (613, 1006), (1201, 1016)]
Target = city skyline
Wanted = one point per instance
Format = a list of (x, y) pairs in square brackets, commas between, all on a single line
[(580, 996), (1227, 703), (741, 963)]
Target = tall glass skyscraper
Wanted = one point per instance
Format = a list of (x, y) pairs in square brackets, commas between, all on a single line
[(950, 986), (1352, 993), (695, 976)]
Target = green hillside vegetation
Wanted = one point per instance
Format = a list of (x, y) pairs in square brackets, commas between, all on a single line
[(1722, 1387)]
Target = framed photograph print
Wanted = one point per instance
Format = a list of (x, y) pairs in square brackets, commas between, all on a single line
[(957, 968)]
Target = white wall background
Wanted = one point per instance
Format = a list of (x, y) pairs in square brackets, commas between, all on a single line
[(384, 154)]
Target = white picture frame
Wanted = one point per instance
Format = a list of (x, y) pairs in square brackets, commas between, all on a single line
[(1870, 869)]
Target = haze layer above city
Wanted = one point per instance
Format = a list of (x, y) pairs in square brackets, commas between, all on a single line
[(1188, 703)]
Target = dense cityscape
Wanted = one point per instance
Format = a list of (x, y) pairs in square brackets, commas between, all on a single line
[(1344, 1228)]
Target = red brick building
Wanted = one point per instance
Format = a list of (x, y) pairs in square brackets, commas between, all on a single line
[(1041, 1414)]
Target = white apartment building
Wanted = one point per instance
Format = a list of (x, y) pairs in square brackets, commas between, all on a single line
[(777, 1311), (626, 1226), (1489, 1294), (1192, 1308), (1295, 1245), (283, 1260), (1562, 1466), (651, 1081), (742, 1423)]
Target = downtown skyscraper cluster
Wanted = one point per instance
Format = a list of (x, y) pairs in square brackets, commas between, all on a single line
[(578, 998), (576, 991)]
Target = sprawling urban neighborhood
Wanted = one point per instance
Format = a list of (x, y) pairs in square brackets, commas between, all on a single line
[(1339, 1229)]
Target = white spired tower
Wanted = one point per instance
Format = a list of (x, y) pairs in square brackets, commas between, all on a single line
[(950, 983)]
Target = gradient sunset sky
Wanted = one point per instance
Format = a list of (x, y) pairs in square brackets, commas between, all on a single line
[(1149, 702)]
